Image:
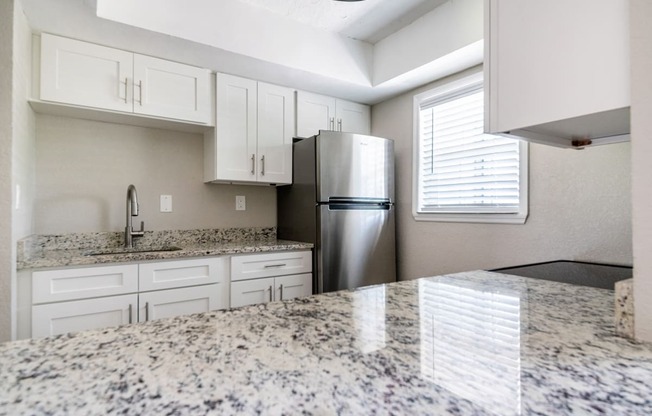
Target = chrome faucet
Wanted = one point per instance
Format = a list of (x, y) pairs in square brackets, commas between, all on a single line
[(132, 211)]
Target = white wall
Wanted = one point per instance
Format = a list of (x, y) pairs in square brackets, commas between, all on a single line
[(83, 169), (449, 28), (641, 41), (579, 208), (6, 252)]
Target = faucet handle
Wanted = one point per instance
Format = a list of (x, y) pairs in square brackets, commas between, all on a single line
[(141, 231)]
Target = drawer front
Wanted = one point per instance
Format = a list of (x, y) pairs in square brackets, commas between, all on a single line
[(81, 315), (273, 264), (88, 282), (182, 273)]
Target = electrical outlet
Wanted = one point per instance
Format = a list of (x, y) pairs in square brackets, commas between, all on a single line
[(166, 203), (240, 203)]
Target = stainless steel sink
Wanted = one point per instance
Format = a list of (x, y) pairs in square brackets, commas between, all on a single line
[(123, 250)]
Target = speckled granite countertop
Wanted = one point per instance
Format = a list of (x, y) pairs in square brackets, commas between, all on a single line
[(476, 343), (73, 249)]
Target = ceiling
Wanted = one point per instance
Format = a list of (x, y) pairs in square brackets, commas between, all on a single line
[(369, 21), (366, 51)]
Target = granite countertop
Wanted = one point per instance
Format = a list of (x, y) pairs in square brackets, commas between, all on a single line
[(477, 343), (74, 249)]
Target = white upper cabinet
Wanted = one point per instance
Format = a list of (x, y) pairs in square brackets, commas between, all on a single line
[(318, 112), (557, 72), (252, 141), (314, 112), (171, 90), (352, 117), (275, 132), (83, 74)]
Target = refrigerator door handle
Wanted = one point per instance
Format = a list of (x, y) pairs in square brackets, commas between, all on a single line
[(347, 200)]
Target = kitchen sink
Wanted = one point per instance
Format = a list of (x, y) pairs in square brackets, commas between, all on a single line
[(122, 250)]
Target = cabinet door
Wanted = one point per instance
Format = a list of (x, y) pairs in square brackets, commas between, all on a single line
[(84, 74), (291, 287), (314, 112), (171, 90), (251, 292), (275, 131), (235, 145), (80, 315), (183, 301), (353, 117), (554, 60)]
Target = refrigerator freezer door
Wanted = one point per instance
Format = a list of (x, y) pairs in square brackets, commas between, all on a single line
[(356, 248), (354, 166)]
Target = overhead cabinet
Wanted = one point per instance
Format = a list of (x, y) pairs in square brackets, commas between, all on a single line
[(84, 74), (252, 139), (556, 79), (319, 112)]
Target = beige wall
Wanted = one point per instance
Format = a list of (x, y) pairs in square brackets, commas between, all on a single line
[(579, 208), (641, 41), (83, 169), (6, 256)]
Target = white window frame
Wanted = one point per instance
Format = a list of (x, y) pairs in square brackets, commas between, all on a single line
[(492, 218)]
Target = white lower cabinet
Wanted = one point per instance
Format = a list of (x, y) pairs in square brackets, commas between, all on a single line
[(294, 286), (175, 302), (260, 278), (79, 315), (76, 299), (251, 292)]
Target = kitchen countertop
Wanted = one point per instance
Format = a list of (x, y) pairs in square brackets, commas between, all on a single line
[(470, 343), (73, 249)]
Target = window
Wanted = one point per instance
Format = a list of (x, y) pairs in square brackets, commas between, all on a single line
[(462, 174)]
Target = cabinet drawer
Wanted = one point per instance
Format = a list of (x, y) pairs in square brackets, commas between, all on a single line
[(81, 315), (173, 274), (89, 282), (274, 264)]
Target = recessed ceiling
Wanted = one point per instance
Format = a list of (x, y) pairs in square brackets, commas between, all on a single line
[(363, 51), (369, 21)]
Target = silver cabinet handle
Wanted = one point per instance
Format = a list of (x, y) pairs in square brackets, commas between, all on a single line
[(146, 311), (140, 93), (126, 88), (130, 313), (262, 169), (269, 266), (253, 164), (339, 124), (271, 289), (280, 288), (332, 123)]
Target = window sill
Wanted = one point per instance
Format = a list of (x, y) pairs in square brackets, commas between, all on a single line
[(472, 218)]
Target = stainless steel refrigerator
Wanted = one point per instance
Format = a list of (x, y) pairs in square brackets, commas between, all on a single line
[(342, 201)]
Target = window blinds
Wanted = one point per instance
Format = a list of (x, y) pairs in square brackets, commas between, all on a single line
[(461, 169)]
